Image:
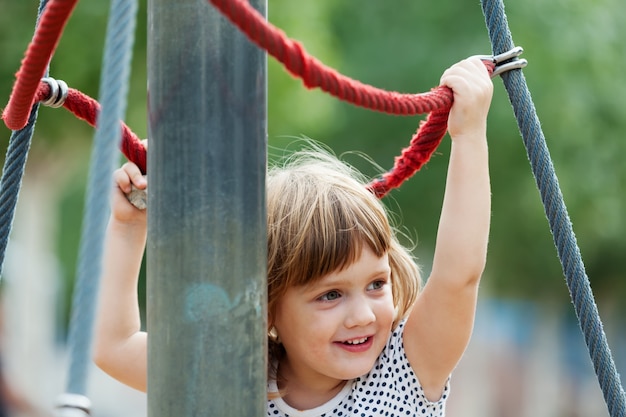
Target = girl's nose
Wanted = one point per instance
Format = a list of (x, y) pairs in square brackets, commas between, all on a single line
[(360, 313)]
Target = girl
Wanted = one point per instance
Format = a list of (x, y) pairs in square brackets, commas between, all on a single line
[(350, 332)]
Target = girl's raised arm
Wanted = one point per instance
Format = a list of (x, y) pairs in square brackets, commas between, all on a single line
[(120, 347), (441, 322)]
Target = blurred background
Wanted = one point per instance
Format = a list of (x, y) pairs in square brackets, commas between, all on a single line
[(527, 347)]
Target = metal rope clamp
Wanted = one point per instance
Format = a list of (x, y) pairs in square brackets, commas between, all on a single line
[(72, 405), (58, 92), (506, 61)]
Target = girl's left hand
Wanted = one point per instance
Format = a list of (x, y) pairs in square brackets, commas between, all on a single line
[(471, 84)]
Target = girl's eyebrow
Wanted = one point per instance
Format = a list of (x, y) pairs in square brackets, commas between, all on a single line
[(327, 282)]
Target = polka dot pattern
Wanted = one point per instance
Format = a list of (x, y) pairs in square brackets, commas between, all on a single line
[(390, 389)]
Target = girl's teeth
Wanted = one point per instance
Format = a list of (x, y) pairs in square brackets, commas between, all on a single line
[(357, 341)]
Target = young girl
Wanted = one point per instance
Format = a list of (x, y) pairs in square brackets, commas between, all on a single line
[(350, 331)]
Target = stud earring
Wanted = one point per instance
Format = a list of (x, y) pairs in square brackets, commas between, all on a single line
[(273, 334)]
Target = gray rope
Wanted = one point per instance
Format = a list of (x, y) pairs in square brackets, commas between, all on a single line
[(11, 182), (556, 212), (113, 91), (13, 170)]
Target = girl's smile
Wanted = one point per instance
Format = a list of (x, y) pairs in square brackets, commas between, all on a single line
[(358, 345)]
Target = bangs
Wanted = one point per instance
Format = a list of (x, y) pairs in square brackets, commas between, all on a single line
[(333, 239), (318, 222)]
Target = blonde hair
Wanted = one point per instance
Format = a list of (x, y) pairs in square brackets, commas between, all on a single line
[(319, 215)]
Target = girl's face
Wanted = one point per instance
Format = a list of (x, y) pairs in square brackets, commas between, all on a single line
[(334, 329)]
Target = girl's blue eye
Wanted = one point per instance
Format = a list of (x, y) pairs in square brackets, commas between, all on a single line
[(330, 296), (376, 285)]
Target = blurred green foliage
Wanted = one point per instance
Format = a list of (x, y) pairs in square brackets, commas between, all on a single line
[(576, 59)]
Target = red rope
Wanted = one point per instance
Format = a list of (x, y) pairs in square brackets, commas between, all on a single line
[(44, 42), (416, 155), (28, 89), (87, 109), (314, 74)]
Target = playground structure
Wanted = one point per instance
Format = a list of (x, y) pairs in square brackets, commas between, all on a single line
[(172, 110)]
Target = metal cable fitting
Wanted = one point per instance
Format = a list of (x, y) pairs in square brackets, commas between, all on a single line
[(72, 405), (506, 61), (58, 92)]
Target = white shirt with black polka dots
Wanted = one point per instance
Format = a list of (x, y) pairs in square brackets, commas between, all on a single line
[(390, 389)]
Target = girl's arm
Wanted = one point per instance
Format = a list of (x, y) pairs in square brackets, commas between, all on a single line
[(440, 325), (120, 347)]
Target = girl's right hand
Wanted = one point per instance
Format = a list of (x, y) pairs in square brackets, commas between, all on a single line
[(124, 178)]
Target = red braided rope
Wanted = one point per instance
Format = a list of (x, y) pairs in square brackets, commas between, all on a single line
[(44, 42), (416, 155), (28, 89), (314, 74), (87, 109)]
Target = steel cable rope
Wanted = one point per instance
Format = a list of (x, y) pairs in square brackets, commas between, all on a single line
[(556, 213), (15, 162), (114, 85)]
